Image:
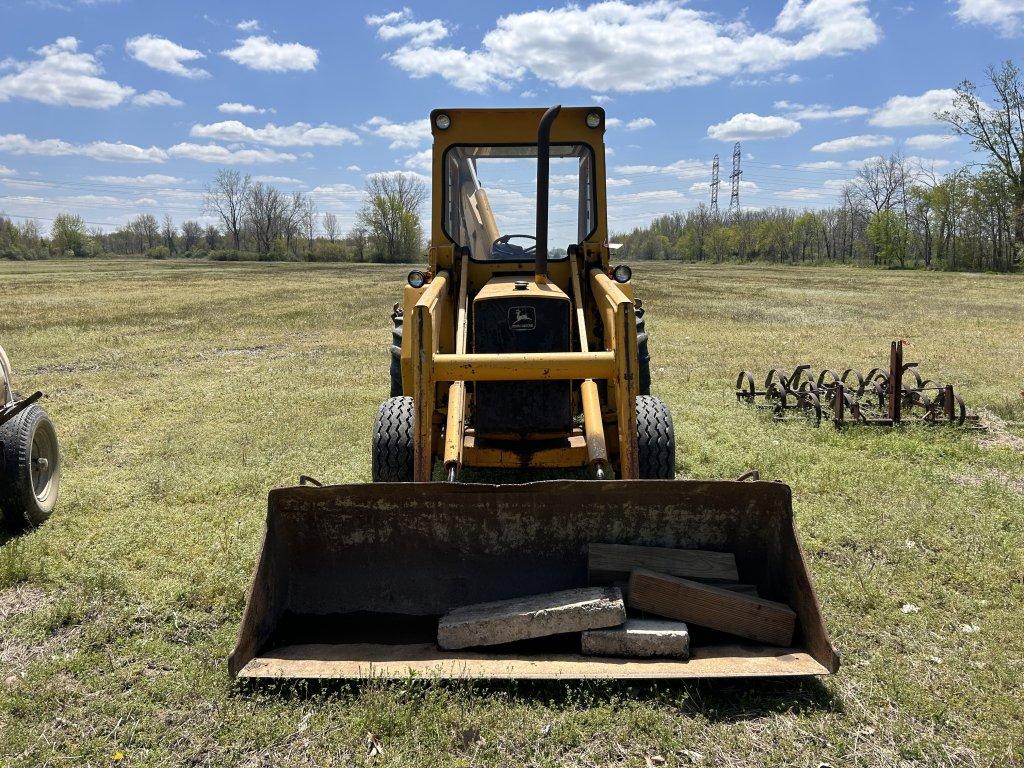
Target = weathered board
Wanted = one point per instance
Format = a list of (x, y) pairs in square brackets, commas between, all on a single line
[(713, 607), (609, 562), (522, 618)]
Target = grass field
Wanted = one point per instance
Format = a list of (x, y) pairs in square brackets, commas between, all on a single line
[(183, 391)]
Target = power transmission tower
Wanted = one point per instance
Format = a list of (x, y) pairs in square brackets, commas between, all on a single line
[(714, 186), (734, 201)]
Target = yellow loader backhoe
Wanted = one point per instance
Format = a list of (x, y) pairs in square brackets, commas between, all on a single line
[(510, 353)]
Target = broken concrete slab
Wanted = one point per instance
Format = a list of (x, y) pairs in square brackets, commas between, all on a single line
[(522, 618), (640, 638)]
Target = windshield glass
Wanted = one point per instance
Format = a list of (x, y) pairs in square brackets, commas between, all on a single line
[(491, 200)]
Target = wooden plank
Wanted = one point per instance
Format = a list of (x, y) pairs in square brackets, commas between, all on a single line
[(609, 562), (743, 589), (713, 607), (506, 621)]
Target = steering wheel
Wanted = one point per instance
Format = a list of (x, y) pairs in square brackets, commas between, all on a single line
[(503, 240)]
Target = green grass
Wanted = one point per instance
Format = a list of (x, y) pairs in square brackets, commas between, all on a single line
[(183, 391)]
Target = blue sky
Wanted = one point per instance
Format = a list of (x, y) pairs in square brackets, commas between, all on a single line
[(114, 108)]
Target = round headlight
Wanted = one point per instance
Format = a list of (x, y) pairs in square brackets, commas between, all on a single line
[(417, 279), (443, 121), (622, 274), (593, 120)]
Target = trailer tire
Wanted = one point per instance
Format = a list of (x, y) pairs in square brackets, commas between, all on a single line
[(656, 440), (30, 477), (393, 441)]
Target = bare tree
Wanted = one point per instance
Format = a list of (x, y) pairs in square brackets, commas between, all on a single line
[(267, 212), (358, 237), (226, 198), (330, 226), (169, 231), (997, 130), (145, 229), (211, 236), (309, 220), (391, 215), (191, 234)]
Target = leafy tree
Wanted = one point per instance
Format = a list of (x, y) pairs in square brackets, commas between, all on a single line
[(998, 131), (887, 233), (68, 235), (391, 216)]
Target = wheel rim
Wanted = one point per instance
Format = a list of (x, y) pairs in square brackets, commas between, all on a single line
[(44, 464)]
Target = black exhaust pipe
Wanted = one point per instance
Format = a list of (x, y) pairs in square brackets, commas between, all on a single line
[(543, 170)]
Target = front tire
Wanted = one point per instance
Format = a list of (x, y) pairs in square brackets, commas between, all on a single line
[(30, 477), (392, 451), (656, 439)]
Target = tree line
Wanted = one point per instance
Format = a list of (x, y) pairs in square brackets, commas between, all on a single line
[(254, 221), (892, 213)]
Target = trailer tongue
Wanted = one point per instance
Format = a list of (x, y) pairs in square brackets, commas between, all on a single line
[(352, 579)]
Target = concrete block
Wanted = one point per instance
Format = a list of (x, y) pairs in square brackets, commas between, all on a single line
[(521, 618), (640, 638)]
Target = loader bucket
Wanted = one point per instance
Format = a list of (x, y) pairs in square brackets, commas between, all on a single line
[(352, 579)]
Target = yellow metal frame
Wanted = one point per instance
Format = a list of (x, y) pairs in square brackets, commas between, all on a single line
[(436, 363)]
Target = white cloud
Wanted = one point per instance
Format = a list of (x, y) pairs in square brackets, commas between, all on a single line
[(165, 55), (213, 153), (829, 165), (746, 126), (402, 135), (820, 111), (236, 108), (62, 76), (155, 99), (648, 196), (402, 24), (337, 192), (250, 25), (928, 162), (353, 168), (5, 171), (408, 174), (19, 144), (930, 141), (803, 194), (421, 161), (913, 110), (851, 143), (528, 94), (639, 123), (600, 98), (680, 169), (1007, 16), (295, 135), (704, 186), (148, 180), (262, 53), (617, 46), (285, 180)]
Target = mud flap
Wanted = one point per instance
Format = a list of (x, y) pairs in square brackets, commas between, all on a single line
[(352, 578)]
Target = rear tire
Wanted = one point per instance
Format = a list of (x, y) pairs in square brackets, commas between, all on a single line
[(656, 439), (643, 352), (397, 327), (30, 477), (393, 441)]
